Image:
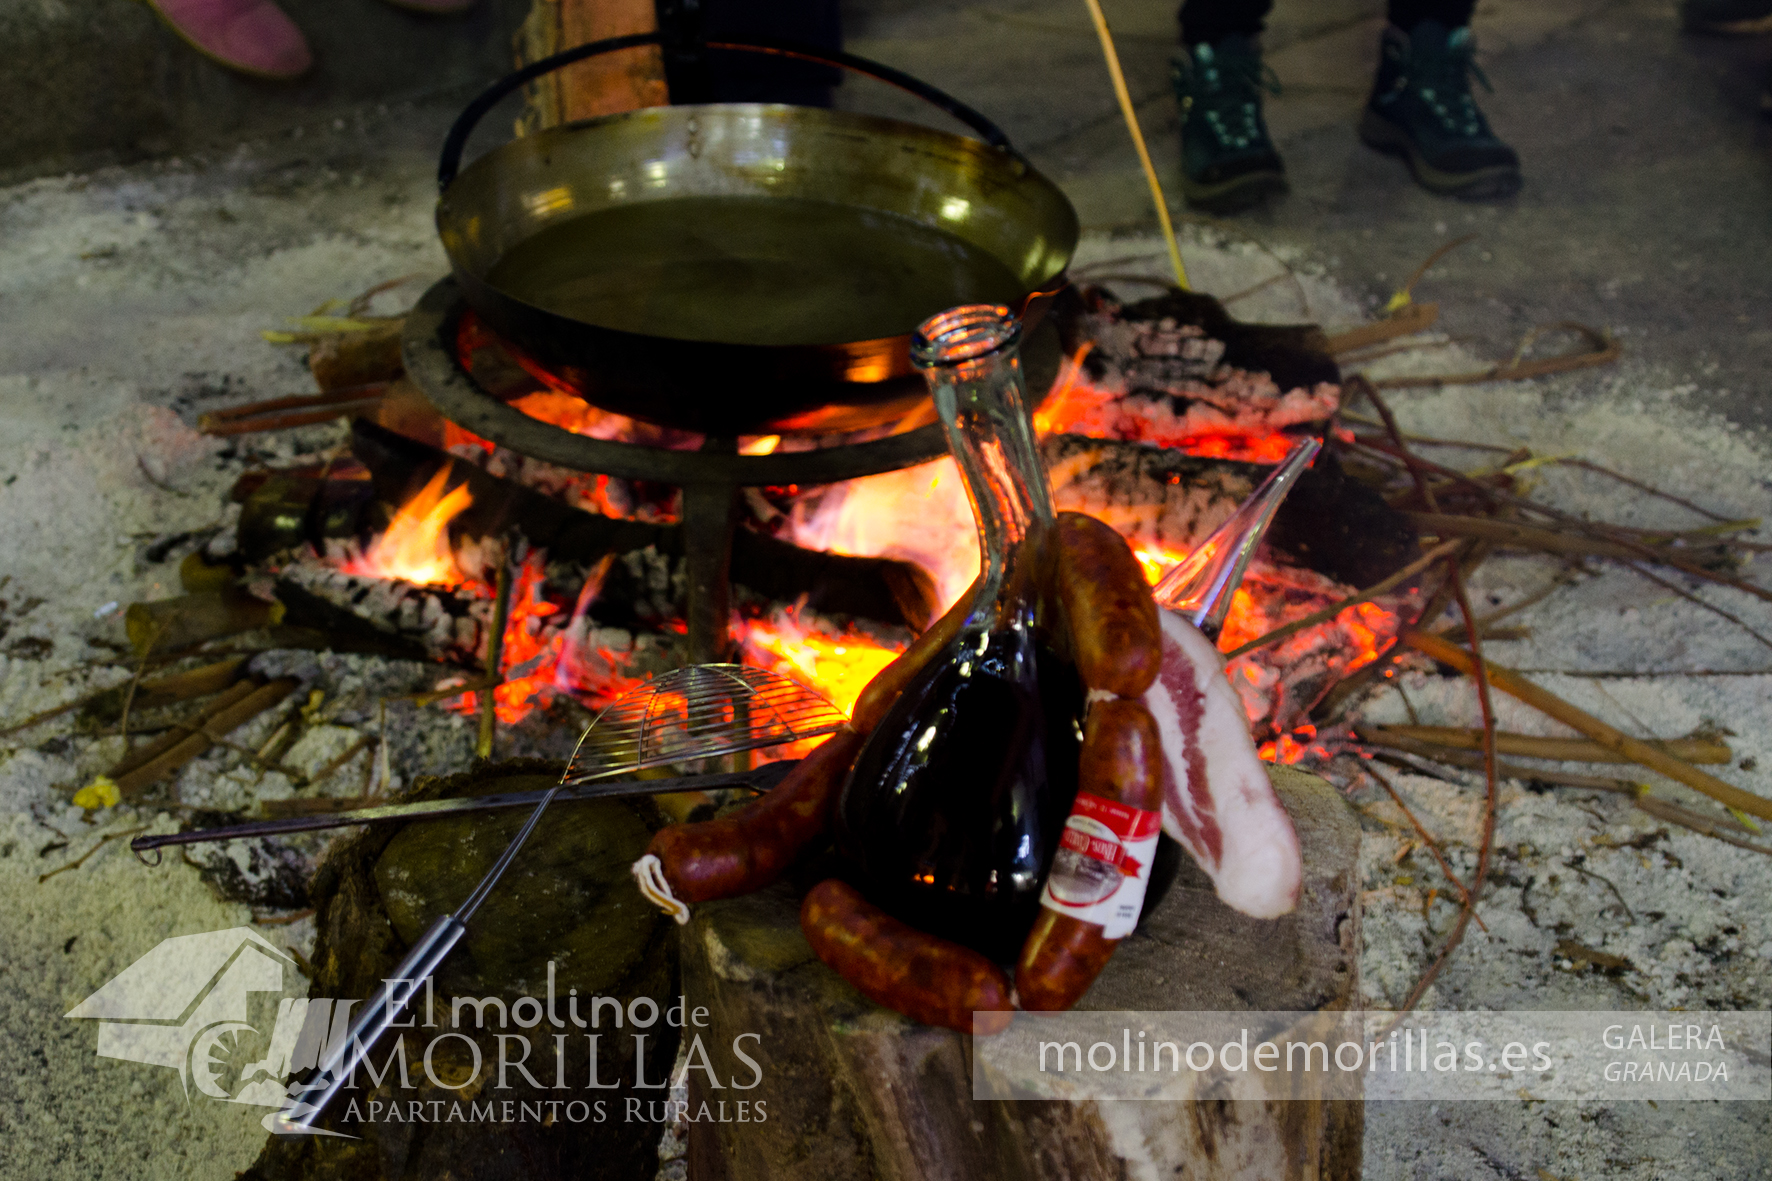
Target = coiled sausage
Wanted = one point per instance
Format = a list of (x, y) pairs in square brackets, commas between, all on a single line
[(894, 964)]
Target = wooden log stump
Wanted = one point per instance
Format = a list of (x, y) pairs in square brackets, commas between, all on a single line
[(856, 1091)]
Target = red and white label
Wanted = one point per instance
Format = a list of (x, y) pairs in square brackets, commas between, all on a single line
[(1103, 864)]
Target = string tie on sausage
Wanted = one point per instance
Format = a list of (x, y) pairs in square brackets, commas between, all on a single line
[(649, 873)]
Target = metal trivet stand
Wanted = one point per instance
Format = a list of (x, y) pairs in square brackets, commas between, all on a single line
[(710, 478)]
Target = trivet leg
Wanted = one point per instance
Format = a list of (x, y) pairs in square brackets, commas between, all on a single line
[(710, 513)]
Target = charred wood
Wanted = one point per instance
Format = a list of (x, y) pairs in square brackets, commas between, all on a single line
[(1180, 343), (1167, 500), (880, 589)]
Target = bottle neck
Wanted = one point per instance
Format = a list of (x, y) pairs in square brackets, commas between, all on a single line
[(971, 358)]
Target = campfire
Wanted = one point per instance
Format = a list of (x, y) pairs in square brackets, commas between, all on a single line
[(532, 584), (590, 627)]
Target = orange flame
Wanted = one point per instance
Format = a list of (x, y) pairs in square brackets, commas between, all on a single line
[(1076, 406), (415, 547), (918, 514), (837, 666), (530, 654)]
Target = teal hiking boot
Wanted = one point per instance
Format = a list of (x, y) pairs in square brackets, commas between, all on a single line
[(1728, 18), (1422, 110), (1228, 163)]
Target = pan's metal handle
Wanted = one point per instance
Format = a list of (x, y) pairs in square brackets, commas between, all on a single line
[(457, 139)]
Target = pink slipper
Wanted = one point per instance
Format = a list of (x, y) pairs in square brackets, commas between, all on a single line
[(434, 7), (252, 36)]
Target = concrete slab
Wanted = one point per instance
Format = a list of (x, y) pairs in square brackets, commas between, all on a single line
[(85, 85), (1647, 171)]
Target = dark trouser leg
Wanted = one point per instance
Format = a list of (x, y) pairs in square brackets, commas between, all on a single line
[(1406, 14), (1206, 22)]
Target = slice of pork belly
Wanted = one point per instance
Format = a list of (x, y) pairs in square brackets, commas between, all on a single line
[(1217, 801)]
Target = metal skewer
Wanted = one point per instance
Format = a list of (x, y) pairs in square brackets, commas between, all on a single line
[(703, 711), (762, 779), (1200, 585)]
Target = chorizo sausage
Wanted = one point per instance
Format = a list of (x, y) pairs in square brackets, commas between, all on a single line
[(750, 848), (895, 965), (1107, 606), (1107, 846), (890, 681)]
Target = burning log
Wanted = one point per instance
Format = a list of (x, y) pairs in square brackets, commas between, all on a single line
[(1166, 502), (1177, 370), (882, 589), (1151, 342), (440, 624), (1159, 500)]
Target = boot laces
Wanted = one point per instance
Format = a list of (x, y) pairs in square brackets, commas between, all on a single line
[(1225, 90), (1441, 75)]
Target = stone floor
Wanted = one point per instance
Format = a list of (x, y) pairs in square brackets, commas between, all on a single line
[(140, 291), (1648, 169)]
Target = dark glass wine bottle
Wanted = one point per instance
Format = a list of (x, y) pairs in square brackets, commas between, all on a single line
[(952, 813)]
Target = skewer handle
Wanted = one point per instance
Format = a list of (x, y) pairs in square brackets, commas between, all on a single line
[(339, 1068)]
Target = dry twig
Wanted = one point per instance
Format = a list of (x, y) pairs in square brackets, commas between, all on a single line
[(1634, 749), (1602, 350), (1566, 750), (1334, 609), (1433, 845), (81, 860), (1659, 555), (1486, 844)]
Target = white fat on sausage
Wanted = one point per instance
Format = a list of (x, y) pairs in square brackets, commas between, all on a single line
[(1217, 801)]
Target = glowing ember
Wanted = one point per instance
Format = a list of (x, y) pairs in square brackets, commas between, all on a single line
[(1236, 420), (838, 667), (530, 652), (415, 547), (1281, 683)]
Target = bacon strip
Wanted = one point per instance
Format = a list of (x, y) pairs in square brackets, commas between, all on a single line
[(1217, 801)]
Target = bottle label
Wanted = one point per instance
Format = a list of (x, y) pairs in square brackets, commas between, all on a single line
[(1103, 864)]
